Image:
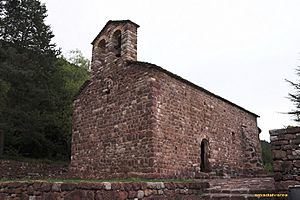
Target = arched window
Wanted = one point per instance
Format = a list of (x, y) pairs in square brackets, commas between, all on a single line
[(116, 42), (102, 45), (204, 154)]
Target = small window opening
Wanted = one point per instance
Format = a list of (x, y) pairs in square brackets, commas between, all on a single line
[(107, 91), (102, 45), (108, 86), (204, 154), (233, 137), (116, 41)]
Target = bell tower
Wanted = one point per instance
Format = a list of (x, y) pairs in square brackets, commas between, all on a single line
[(117, 40)]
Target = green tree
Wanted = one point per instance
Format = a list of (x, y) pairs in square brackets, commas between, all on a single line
[(36, 86), (295, 98), (76, 57), (72, 77), (27, 65), (267, 155), (22, 23)]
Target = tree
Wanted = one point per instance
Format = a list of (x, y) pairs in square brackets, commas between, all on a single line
[(295, 98), (36, 86), (27, 65), (22, 23), (76, 57), (267, 156)]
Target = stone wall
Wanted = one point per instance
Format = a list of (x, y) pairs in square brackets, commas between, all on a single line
[(113, 132), (187, 115), (285, 144), (101, 191), (10, 169)]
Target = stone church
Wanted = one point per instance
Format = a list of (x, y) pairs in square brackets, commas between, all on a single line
[(136, 119)]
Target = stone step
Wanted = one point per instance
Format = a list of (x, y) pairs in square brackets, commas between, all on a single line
[(232, 196), (225, 196), (219, 189)]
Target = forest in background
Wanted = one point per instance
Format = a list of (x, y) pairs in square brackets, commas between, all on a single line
[(37, 84)]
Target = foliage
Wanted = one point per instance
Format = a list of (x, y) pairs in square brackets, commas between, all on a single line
[(76, 57), (267, 156), (22, 23), (295, 98), (37, 87)]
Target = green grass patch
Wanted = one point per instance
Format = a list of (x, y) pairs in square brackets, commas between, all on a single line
[(34, 161), (97, 181)]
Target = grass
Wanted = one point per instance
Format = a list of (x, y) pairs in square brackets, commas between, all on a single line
[(34, 160), (97, 181)]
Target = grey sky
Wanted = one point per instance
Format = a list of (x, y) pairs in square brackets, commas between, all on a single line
[(241, 50)]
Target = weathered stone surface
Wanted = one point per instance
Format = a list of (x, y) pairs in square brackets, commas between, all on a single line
[(75, 191), (107, 185), (296, 163), (46, 187), (140, 194), (286, 157), (122, 195), (80, 194), (12, 169), (132, 194), (279, 154), (68, 186), (278, 176), (52, 196), (277, 165), (90, 186), (56, 187), (148, 192)]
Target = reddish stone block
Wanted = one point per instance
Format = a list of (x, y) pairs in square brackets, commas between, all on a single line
[(36, 185), (51, 196), (122, 195), (88, 186), (24, 196), (127, 186), (68, 186), (79, 194), (296, 163), (169, 185), (132, 194), (45, 187), (277, 176), (13, 185), (107, 195), (279, 154), (3, 196)]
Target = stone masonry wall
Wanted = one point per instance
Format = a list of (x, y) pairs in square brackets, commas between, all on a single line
[(186, 115), (113, 132), (101, 191), (10, 169), (285, 144)]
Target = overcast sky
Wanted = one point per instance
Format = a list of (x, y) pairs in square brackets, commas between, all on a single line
[(241, 50)]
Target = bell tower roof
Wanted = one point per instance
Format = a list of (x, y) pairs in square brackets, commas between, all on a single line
[(113, 23)]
